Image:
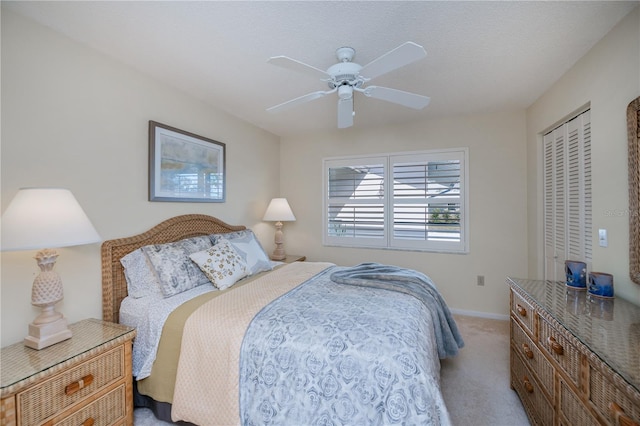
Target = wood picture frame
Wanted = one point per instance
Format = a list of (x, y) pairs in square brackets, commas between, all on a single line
[(633, 130), (185, 167)]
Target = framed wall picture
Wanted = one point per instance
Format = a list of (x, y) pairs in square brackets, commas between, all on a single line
[(633, 128), (185, 167)]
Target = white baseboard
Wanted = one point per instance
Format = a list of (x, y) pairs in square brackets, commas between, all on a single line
[(480, 314)]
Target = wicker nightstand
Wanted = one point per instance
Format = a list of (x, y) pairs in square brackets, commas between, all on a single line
[(85, 380), (294, 258)]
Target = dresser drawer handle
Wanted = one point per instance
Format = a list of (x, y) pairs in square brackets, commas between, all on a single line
[(555, 346), (80, 384), (527, 351), (89, 422), (522, 311), (527, 384), (619, 418)]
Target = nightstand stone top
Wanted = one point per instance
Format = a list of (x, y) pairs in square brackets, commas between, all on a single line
[(20, 365)]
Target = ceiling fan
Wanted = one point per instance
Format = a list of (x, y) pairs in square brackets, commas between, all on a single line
[(347, 77)]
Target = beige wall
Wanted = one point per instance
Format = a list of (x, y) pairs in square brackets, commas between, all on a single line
[(607, 78), (497, 202), (74, 118)]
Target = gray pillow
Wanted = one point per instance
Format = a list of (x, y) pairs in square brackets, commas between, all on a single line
[(141, 279), (174, 270)]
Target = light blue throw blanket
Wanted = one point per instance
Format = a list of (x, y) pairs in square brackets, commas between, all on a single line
[(418, 285), (358, 354)]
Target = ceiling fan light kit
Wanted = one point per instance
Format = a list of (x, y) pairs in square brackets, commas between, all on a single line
[(346, 76), (345, 92)]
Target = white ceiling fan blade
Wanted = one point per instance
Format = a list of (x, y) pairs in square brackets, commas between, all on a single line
[(297, 101), (345, 113), (400, 97), (292, 64), (399, 57)]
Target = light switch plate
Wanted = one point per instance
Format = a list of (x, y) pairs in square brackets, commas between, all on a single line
[(602, 237)]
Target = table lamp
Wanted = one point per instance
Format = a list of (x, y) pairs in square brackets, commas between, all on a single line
[(42, 218), (279, 211)]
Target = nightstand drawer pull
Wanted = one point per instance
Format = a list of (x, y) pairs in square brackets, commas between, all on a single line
[(80, 384), (527, 384), (527, 351), (555, 346), (88, 422), (522, 311), (619, 418)]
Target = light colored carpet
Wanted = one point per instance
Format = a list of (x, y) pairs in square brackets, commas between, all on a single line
[(145, 417), (475, 383)]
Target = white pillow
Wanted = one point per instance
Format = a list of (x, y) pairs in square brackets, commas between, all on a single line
[(173, 268), (141, 280), (221, 264), (247, 246)]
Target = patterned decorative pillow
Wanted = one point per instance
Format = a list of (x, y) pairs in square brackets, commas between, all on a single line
[(141, 280), (222, 264), (247, 246), (173, 267)]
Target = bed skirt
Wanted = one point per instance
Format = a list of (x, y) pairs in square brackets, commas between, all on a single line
[(161, 410)]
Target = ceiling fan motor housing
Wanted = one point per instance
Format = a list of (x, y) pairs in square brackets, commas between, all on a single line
[(345, 73)]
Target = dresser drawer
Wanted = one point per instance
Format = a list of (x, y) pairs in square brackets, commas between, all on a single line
[(563, 352), (602, 393), (52, 396), (572, 408), (524, 312), (533, 358), (540, 410), (104, 411)]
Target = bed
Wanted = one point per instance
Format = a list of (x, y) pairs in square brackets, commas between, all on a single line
[(299, 343)]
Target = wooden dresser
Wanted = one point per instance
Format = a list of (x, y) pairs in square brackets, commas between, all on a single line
[(575, 359), (85, 380)]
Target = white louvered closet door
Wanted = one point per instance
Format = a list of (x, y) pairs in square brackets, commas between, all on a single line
[(567, 195)]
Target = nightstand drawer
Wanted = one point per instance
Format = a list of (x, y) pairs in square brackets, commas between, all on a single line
[(533, 358), (104, 411), (524, 312), (532, 397), (602, 393), (52, 396), (572, 408), (564, 353)]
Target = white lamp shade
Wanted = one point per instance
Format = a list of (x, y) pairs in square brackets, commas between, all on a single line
[(279, 211), (40, 218)]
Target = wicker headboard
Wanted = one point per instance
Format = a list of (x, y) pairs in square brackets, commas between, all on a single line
[(114, 284)]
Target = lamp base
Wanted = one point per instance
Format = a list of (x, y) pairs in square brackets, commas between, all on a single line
[(43, 335), (278, 253)]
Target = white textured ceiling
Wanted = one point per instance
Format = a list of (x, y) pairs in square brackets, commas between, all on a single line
[(481, 56)]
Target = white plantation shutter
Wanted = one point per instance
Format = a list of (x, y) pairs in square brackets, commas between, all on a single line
[(413, 201), (567, 195), (355, 206), (427, 201)]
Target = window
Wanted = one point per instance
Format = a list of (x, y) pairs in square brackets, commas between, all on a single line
[(405, 201), (567, 195)]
